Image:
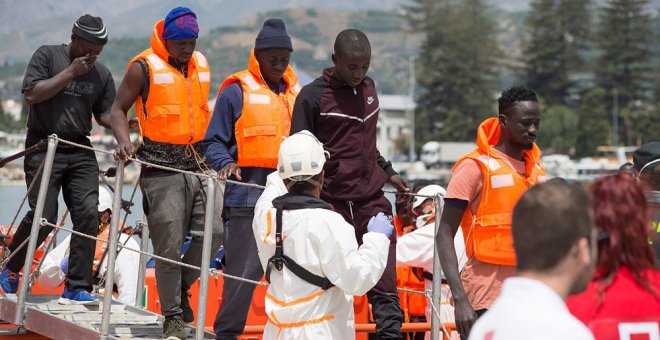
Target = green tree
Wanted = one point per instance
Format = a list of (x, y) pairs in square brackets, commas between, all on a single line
[(559, 129), (625, 39), (594, 126), (554, 53), (457, 66)]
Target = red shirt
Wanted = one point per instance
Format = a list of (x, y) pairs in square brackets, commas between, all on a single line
[(623, 299)]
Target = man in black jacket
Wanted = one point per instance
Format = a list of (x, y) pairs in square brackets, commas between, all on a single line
[(341, 109)]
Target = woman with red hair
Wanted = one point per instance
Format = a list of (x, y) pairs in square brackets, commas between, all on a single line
[(626, 286)]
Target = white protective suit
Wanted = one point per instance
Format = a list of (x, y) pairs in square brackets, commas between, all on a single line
[(415, 249), (323, 243)]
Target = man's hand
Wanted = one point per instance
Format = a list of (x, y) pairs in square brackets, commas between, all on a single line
[(124, 150), (398, 183), (82, 65), (465, 317), (228, 170)]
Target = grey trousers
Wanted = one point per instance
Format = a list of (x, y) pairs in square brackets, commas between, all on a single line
[(242, 260), (175, 204)]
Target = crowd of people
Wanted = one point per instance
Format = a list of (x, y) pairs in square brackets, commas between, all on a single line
[(513, 247)]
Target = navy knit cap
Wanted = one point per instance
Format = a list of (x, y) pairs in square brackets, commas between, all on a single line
[(180, 23), (273, 35), (91, 29)]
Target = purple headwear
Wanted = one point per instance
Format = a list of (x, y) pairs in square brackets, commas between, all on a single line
[(180, 23)]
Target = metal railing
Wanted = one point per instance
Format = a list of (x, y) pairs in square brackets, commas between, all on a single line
[(432, 296)]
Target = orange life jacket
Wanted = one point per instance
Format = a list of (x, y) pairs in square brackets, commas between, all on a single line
[(266, 116), (177, 110), (100, 248), (488, 231), (411, 278)]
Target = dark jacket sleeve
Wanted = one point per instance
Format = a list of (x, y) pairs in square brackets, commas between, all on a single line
[(220, 142), (306, 109), (386, 165)]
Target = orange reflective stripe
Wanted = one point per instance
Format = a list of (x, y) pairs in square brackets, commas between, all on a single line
[(296, 301), (276, 323), (270, 226)]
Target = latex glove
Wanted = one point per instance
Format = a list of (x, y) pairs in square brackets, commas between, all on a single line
[(380, 224), (64, 265)]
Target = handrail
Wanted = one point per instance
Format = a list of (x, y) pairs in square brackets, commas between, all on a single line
[(211, 177), (42, 145)]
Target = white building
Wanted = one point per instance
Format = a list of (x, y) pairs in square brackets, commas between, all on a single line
[(12, 107), (393, 122)]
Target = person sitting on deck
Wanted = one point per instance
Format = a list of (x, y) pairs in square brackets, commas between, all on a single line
[(56, 263), (416, 249)]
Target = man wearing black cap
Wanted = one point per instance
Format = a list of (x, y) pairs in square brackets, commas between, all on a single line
[(646, 162), (251, 118), (169, 85), (65, 86)]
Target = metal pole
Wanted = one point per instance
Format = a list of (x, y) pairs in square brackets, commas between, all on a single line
[(615, 117), (142, 272), (411, 153), (437, 279), (112, 250), (206, 257), (36, 224)]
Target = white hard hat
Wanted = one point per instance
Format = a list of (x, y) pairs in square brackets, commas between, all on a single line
[(105, 200), (301, 157), (429, 190)]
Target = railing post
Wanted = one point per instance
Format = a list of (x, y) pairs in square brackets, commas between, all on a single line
[(437, 280), (206, 257), (112, 250), (142, 271), (36, 224)]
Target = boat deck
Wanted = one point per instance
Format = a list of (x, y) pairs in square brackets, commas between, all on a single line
[(44, 316)]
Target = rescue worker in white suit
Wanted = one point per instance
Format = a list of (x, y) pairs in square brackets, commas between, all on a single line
[(316, 267), (55, 265), (415, 249)]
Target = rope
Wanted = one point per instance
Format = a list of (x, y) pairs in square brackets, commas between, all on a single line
[(429, 297), (44, 222), (201, 174), (36, 176)]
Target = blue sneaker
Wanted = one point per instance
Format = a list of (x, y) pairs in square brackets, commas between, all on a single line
[(77, 297), (8, 281)]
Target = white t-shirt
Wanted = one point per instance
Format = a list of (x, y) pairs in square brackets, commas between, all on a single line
[(530, 310)]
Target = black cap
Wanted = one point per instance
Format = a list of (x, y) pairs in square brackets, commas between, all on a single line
[(91, 29), (273, 35), (645, 154)]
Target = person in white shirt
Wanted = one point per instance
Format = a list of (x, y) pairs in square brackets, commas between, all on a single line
[(309, 253), (415, 249), (555, 244), (55, 264)]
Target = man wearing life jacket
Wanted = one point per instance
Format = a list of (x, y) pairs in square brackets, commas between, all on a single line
[(169, 85), (56, 263), (252, 115), (341, 109), (484, 187), (309, 252), (416, 248)]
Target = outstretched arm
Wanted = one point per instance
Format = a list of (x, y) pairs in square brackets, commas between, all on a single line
[(131, 87)]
